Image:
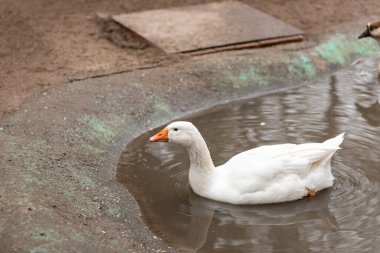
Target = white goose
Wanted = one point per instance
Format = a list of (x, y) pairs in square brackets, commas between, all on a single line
[(267, 174)]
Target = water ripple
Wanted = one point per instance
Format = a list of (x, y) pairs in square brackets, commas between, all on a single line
[(345, 218)]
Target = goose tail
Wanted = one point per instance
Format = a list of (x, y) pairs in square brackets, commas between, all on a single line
[(336, 141)]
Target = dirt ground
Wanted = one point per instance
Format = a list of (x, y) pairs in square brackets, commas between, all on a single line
[(45, 43)]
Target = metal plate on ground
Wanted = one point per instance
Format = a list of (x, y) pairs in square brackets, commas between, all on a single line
[(208, 26)]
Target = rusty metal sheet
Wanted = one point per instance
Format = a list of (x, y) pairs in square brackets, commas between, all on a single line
[(205, 26)]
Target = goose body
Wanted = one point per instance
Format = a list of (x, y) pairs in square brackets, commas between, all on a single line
[(267, 174)]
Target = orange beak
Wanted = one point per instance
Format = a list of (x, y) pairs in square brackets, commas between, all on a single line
[(161, 136)]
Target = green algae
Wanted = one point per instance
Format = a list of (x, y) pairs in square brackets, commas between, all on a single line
[(100, 129), (114, 211), (38, 249), (245, 77), (339, 48), (302, 66), (46, 237), (336, 50), (36, 173), (83, 179), (162, 106), (108, 129)]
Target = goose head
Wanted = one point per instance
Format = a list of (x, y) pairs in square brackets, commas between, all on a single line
[(372, 30), (180, 132)]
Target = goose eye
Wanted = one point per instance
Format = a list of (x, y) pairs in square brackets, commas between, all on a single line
[(175, 129)]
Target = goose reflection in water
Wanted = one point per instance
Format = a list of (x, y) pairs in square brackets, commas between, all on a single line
[(261, 223)]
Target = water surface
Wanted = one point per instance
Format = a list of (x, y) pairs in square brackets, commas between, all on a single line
[(344, 218)]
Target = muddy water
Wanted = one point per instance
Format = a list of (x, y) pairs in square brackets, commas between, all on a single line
[(344, 218)]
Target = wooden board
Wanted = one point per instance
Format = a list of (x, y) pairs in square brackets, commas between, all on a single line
[(207, 26)]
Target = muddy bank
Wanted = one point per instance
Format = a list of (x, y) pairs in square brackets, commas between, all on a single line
[(47, 44)]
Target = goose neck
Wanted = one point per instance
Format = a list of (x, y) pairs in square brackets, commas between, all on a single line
[(200, 157)]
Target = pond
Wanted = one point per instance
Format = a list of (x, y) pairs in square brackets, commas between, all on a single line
[(344, 218)]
